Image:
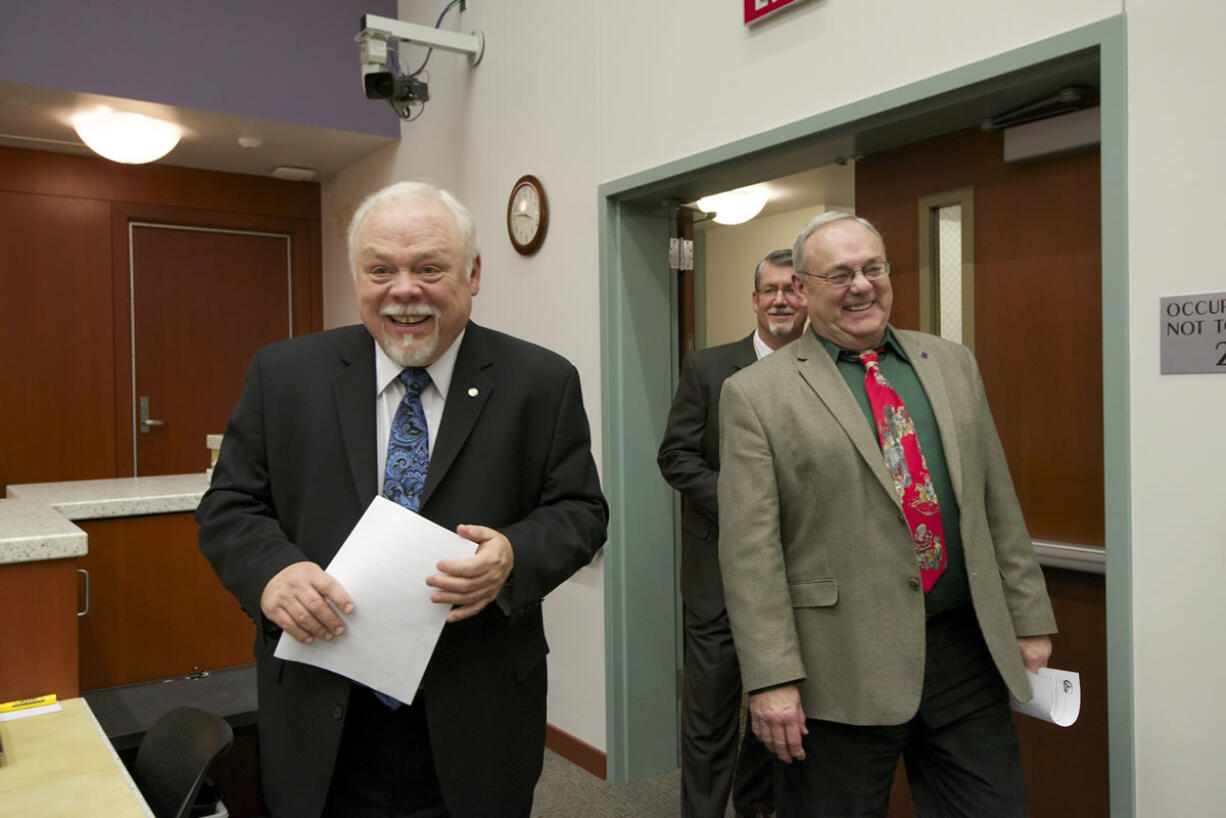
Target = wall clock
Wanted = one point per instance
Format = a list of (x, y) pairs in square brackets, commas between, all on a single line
[(527, 215)]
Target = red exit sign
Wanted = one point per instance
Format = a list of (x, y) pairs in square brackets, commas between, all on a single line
[(755, 10)]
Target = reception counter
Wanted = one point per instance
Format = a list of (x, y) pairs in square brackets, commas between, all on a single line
[(109, 587), (117, 497)]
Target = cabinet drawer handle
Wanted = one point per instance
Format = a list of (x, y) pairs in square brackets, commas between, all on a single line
[(86, 575)]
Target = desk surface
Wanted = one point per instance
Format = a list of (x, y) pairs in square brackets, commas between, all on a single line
[(61, 764)]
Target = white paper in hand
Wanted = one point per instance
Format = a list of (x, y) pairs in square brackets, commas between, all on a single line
[(1057, 696), (389, 637)]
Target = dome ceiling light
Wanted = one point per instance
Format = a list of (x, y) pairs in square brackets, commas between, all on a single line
[(734, 206), (126, 137)]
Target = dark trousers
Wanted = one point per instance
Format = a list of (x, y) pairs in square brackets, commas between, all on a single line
[(384, 767), (711, 767), (960, 749)]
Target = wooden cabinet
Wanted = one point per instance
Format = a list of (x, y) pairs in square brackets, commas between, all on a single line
[(38, 645), (157, 609)]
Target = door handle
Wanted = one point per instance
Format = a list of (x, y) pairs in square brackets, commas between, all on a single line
[(85, 574), (146, 422)]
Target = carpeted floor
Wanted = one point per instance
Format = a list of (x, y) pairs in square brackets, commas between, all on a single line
[(568, 791)]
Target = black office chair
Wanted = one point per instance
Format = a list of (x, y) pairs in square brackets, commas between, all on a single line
[(174, 757)]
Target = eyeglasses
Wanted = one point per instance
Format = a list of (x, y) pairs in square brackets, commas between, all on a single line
[(772, 291), (843, 277)]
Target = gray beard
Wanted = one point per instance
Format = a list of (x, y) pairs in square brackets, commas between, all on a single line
[(781, 332), (407, 356)]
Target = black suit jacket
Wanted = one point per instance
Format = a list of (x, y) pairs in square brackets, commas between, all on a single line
[(296, 471), (689, 460)]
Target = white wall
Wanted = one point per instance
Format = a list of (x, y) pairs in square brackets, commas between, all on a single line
[(585, 91), (1175, 126), (531, 106)]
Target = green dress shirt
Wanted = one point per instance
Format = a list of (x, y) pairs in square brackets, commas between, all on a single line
[(951, 590)]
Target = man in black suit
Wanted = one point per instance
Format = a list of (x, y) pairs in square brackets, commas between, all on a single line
[(689, 461), (509, 468)]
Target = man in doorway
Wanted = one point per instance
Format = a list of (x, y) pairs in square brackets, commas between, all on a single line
[(689, 460), (882, 587), (479, 432)]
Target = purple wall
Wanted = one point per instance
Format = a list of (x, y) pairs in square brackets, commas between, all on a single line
[(287, 60)]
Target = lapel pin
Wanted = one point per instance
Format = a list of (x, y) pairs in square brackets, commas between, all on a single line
[(472, 391), (923, 354)]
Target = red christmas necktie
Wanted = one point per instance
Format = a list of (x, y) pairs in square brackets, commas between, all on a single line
[(905, 462)]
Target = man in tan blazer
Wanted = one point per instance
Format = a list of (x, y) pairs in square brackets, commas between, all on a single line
[(848, 659)]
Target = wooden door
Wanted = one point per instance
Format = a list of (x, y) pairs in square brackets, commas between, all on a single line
[(203, 297), (1038, 307), (202, 302), (1038, 339)]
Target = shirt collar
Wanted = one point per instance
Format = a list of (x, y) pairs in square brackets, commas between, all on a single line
[(759, 346), (835, 351), (386, 370)]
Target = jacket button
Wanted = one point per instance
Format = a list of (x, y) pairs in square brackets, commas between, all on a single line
[(913, 582), (337, 712)]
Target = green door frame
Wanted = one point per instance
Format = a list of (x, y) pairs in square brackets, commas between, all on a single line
[(638, 372)]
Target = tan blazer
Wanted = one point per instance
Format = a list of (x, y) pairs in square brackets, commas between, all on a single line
[(819, 570)]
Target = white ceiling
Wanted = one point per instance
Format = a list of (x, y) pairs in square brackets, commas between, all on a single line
[(40, 119)]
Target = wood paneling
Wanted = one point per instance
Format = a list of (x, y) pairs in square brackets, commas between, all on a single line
[(1038, 307), (38, 619), (65, 369), (86, 177), (156, 608), (56, 359), (576, 751), (1066, 767)]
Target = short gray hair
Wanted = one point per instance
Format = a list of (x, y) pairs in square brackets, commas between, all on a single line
[(821, 220), (778, 258), (415, 193)]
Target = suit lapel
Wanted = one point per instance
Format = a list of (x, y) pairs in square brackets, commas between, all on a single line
[(746, 354), (353, 390), (923, 361), (470, 388), (822, 376)]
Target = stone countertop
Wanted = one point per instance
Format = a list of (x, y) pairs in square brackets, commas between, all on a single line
[(30, 531), (117, 497), (35, 519)]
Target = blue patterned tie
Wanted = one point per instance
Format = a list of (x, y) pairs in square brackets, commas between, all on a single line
[(408, 450), (408, 457)]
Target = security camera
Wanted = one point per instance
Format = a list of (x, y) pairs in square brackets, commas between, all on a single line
[(405, 94), (394, 88)]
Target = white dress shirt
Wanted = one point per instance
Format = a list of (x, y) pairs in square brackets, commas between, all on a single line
[(759, 346)]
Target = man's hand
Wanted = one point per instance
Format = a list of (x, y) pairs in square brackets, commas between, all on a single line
[(296, 598), (473, 582), (779, 721), (1036, 650)]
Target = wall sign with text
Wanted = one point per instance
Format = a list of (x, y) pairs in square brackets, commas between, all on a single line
[(755, 10), (1193, 333)]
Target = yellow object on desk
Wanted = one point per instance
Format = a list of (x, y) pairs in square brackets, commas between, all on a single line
[(61, 764), (22, 704)]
